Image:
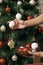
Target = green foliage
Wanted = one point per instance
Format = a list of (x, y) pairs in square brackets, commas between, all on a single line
[(20, 36)]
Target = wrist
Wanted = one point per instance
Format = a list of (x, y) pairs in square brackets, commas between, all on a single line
[(25, 23)]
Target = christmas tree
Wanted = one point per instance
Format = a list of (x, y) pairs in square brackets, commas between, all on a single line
[(11, 40)]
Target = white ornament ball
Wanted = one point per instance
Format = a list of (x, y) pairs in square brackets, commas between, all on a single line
[(18, 16), (19, 3), (3, 28), (11, 24), (14, 58), (1, 1), (32, 2), (34, 45), (21, 47)]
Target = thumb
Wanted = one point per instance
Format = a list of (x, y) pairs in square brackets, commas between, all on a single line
[(34, 53)]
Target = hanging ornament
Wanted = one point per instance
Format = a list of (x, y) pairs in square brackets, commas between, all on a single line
[(29, 17), (28, 45), (18, 16), (25, 51), (19, 3), (40, 29), (8, 9), (11, 24), (1, 44), (34, 45), (14, 58), (30, 49), (32, 2), (20, 50), (2, 61), (1, 1), (3, 28), (11, 44), (21, 47)]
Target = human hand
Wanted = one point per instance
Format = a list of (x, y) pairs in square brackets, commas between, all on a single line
[(19, 24), (34, 53)]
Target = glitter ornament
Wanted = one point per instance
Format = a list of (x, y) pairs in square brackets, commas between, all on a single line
[(11, 44), (14, 58), (3, 28)]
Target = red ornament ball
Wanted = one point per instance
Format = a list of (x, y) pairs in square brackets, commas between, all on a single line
[(8, 9), (29, 17), (30, 49), (2, 61), (40, 28), (1, 44), (20, 50), (25, 51), (28, 45)]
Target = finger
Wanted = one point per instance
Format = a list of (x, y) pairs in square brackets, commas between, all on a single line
[(21, 22), (36, 54), (15, 27), (16, 22), (29, 52), (21, 26)]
